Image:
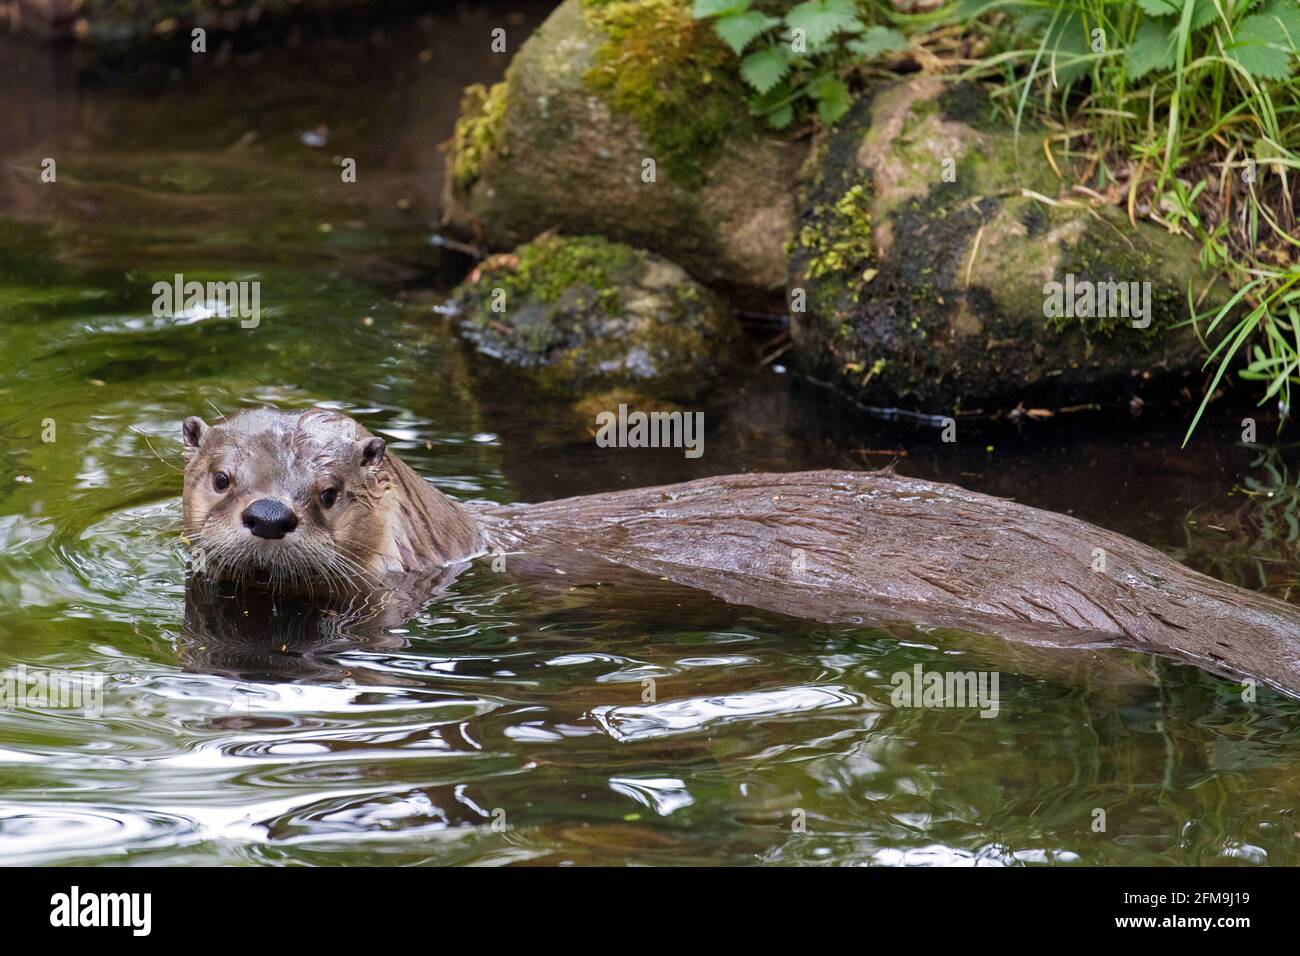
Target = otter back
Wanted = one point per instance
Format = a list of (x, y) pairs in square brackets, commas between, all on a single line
[(877, 548)]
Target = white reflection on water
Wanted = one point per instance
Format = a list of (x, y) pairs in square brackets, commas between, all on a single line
[(697, 713)]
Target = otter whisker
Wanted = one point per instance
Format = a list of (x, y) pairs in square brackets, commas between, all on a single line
[(330, 495), (132, 428)]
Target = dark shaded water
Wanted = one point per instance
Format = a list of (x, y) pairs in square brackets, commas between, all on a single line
[(506, 722)]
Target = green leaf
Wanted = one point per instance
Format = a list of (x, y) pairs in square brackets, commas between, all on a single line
[(1261, 47), (1069, 43), (833, 98), (1154, 48), (1203, 12), (1286, 15), (878, 40), (1032, 20), (830, 111), (822, 19), (703, 9), (1161, 8), (765, 68), (780, 117), (765, 103), (739, 29)]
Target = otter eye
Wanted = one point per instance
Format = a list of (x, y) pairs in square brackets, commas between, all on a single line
[(328, 497), (221, 481)]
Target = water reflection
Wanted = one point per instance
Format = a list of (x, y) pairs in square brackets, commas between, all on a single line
[(252, 635)]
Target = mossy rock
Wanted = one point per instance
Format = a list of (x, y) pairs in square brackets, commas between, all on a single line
[(927, 292), (586, 315), (601, 87)]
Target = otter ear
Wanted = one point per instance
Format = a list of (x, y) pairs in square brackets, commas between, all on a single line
[(192, 432), (372, 452)]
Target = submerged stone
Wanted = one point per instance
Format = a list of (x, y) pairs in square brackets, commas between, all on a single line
[(585, 314)]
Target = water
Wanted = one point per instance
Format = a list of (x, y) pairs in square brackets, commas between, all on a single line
[(506, 722)]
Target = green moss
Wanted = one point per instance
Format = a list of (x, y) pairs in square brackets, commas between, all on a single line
[(952, 311), (969, 103), (584, 274), (991, 167), (832, 254), (1105, 253), (671, 74), (920, 111), (837, 239), (549, 268), (478, 131), (583, 313)]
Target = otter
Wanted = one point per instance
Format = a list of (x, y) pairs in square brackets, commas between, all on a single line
[(299, 499), (311, 499)]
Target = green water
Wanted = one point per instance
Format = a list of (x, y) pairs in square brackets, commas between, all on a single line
[(506, 723)]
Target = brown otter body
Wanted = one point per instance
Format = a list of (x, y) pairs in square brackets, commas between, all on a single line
[(872, 548), (877, 548)]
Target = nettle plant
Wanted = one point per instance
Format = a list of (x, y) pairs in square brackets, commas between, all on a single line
[(1260, 36), (1252, 45), (1198, 98), (796, 62)]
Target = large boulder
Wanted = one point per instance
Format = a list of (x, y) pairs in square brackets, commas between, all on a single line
[(602, 87), (584, 316), (915, 289)]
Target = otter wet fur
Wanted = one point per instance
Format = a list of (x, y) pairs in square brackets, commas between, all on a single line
[(302, 500), (311, 499)]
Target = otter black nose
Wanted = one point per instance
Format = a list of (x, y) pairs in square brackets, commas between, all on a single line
[(268, 518)]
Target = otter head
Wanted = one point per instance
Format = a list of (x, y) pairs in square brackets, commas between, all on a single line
[(289, 498)]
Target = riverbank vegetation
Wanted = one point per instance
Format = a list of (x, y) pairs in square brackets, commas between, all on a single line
[(1182, 112)]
